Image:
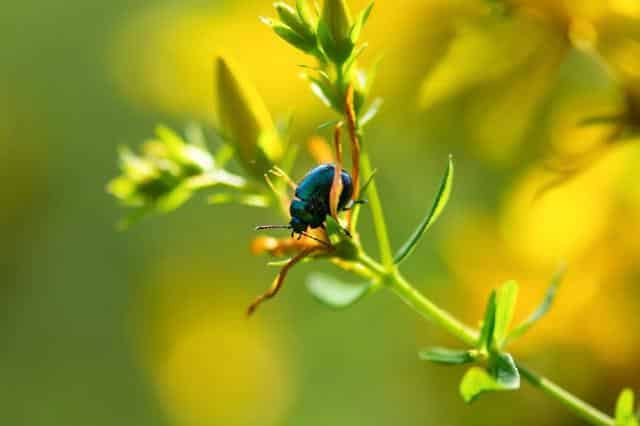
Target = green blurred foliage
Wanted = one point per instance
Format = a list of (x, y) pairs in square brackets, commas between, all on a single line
[(146, 327)]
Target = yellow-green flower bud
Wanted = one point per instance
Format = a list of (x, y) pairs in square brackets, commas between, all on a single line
[(245, 120), (337, 16), (334, 30)]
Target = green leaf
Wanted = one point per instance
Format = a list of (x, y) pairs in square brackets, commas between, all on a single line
[(173, 141), (330, 123), (290, 17), (216, 177), (334, 293), (364, 188), (475, 382), (323, 90), (442, 197), (306, 14), (447, 356), (371, 112), (361, 20), (505, 305), (502, 376), (488, 325), (624, 409), (503, 368), (337, 48), (292, 37), (541, 310), (355, 54), (173, 199)]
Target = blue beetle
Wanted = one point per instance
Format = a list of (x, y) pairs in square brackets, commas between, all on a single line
[(311, 206)]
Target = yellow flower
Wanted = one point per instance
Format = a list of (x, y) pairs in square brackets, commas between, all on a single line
[(567, 220), (511, 63)]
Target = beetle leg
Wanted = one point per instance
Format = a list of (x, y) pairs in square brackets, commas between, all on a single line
[(279, 280)]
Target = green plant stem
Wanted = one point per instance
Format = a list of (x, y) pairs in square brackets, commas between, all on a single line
[(426, 308), (379, 224), (578, 406)]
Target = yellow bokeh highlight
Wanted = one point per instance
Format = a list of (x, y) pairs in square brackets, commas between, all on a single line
[(566, 220), (209, 364)]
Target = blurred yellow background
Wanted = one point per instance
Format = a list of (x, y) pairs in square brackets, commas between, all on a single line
[(147, 327)]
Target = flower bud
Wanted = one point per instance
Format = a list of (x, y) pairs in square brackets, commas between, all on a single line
[(334, 30), (245, 120)]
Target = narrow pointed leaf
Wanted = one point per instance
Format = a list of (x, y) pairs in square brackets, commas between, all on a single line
[(306, 14), (292, 37), (371, 112), (289, 16), (334, 293), (505, 305), (624, 409), (368, 182), (541, 310), (442, 197), (326, 124), (361, 20), (446, 356), (322, 92), (488, 324)]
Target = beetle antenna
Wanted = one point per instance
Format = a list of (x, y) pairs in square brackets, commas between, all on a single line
[(263, 227), (315, 239)]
